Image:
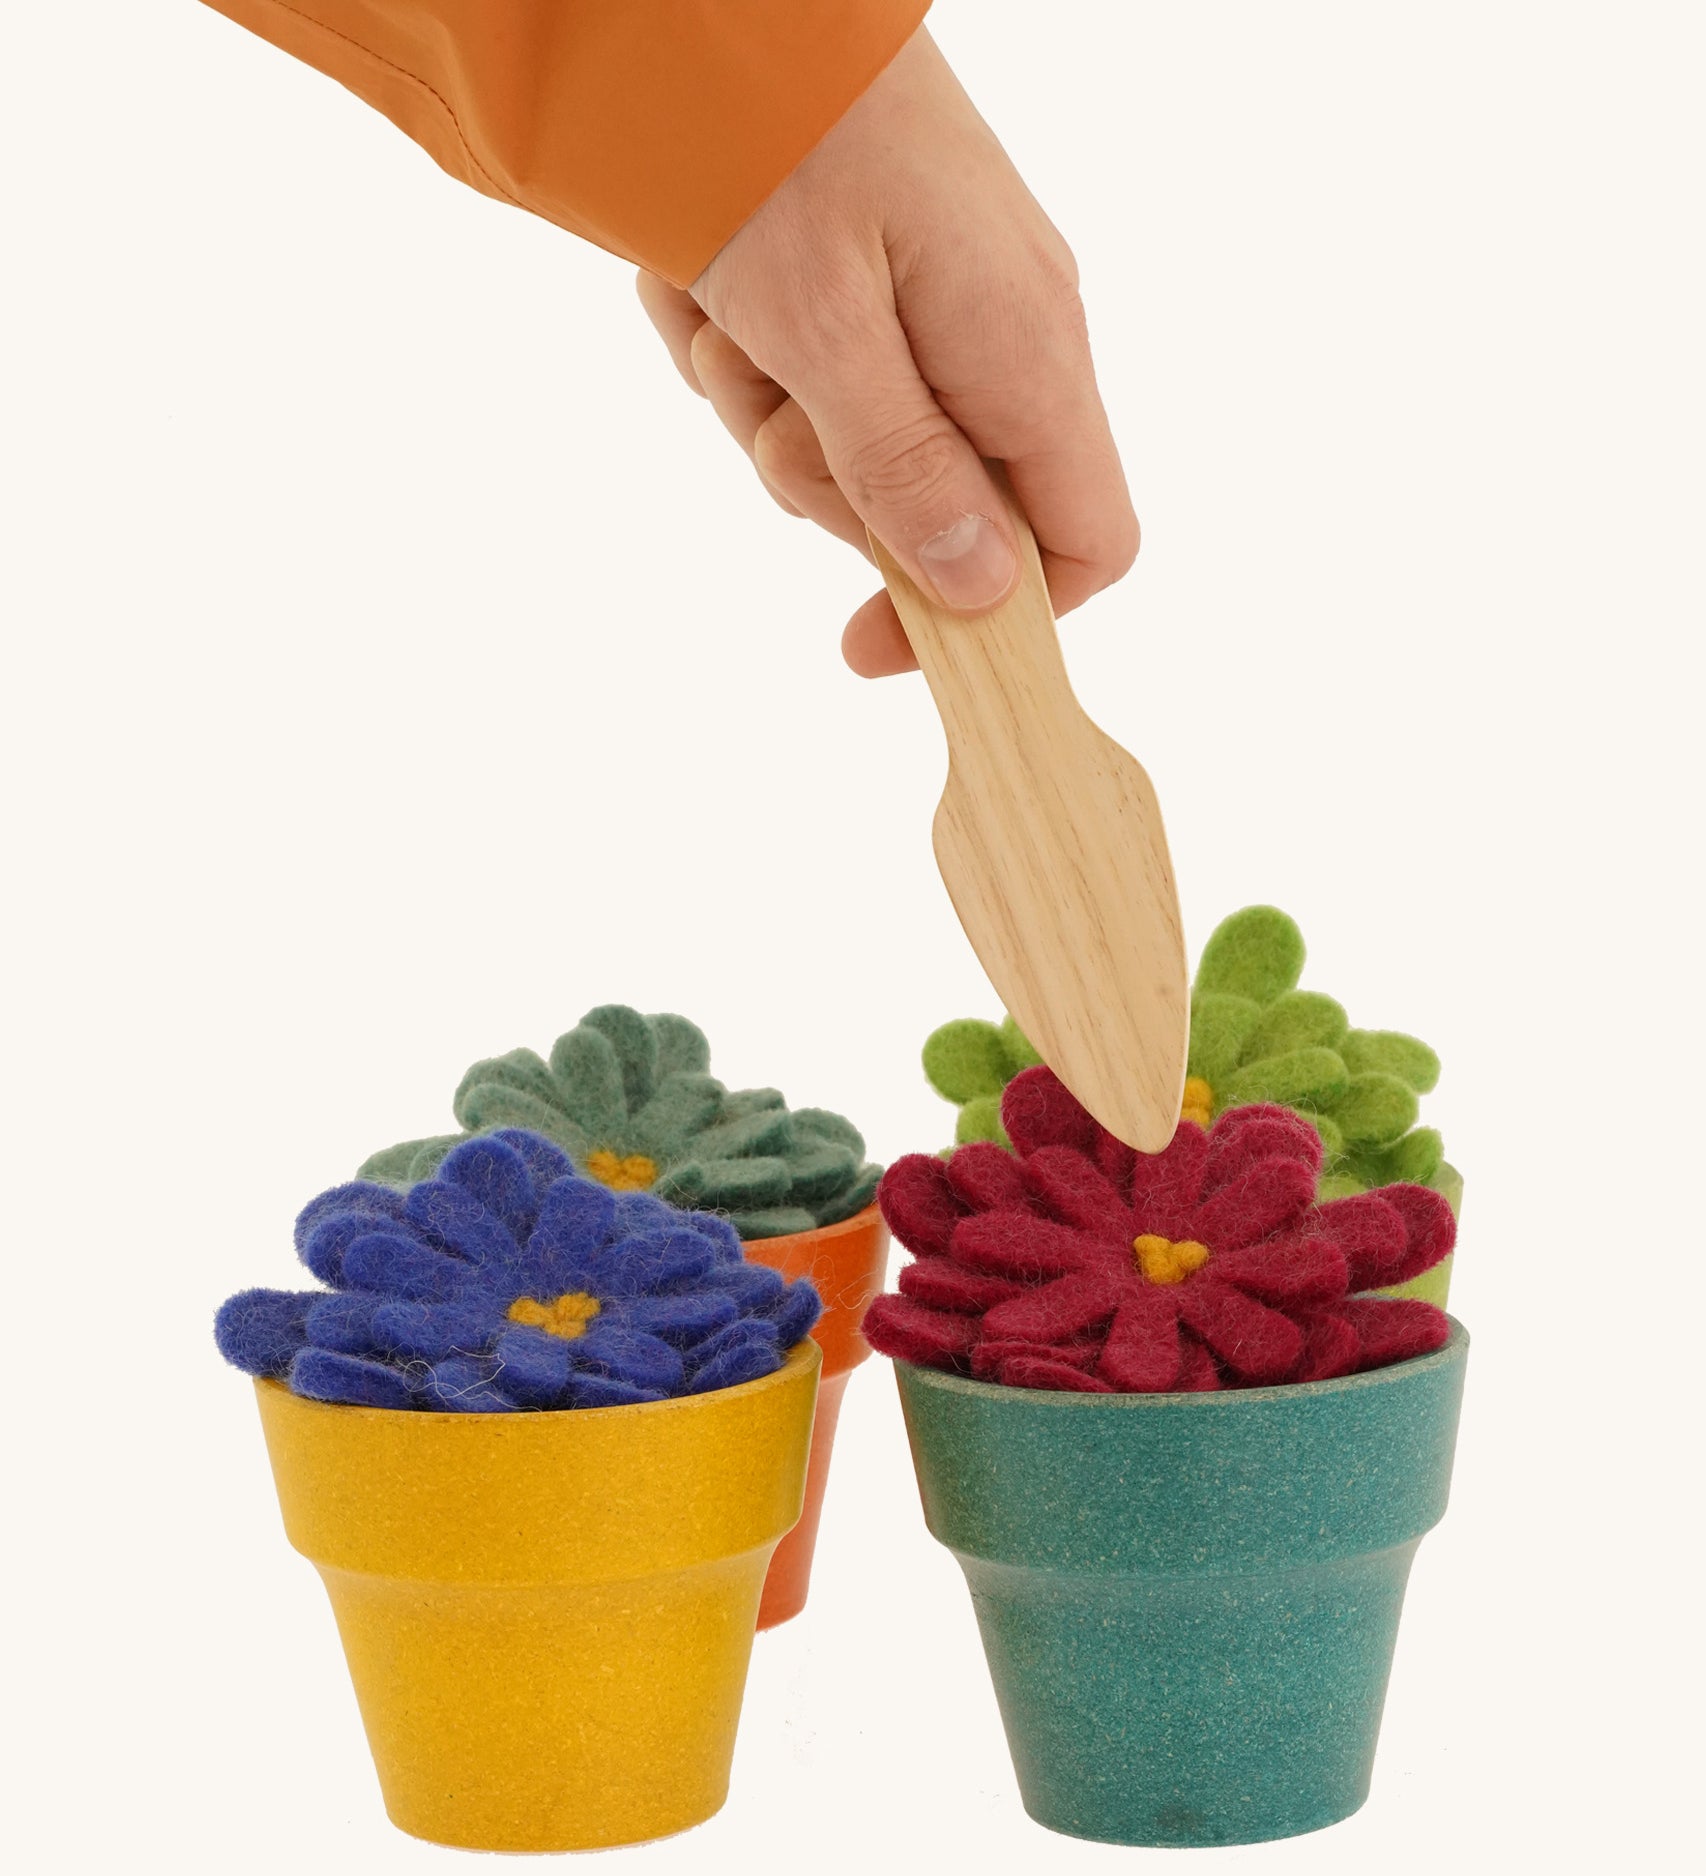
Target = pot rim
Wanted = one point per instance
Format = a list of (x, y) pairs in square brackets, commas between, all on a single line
[(1215, 1400), (805, 1352), (843, 1227)]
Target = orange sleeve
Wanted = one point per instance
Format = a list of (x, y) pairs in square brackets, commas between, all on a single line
[(653, 127)]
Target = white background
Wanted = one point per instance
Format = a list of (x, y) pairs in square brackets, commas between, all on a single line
[(398, 662)]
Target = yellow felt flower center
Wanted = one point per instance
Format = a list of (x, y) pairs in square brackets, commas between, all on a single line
[(637, 1173), (567, 1316), (1199, 1101), (1163, 1261)]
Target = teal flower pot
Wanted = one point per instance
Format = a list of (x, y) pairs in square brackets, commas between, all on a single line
[(1189, 1601)]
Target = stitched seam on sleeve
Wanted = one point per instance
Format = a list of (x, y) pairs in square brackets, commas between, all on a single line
[(437, 97)]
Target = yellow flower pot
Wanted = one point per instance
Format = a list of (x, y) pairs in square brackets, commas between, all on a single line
[(548, 1616)]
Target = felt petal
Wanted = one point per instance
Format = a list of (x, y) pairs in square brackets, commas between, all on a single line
[(834, 1129), (1245, 1135), (344, 1322), (744, 1102), (1430, 1228), (1370, 1234), (428, 1331), (532, 1368), (260, 1331), (754, 1133), (1272, 1194), (452, 1218), (1413, 1159), (488, 1106), (966, 1058), (1315, 1078), (940, 1283), (1296, 1019), (986, 1179), (1256, 1343), (980, 1120), (396, 1165), (1039, 1371), (718, 1232), (1327, 1132), (734, 1364), (1038, 1110), (1117, 1163), (1019, 1244), (1219, 1026), (1391, 1329), (850, 1199), (796, 1315), (1256, 953), (494, 1173), (725, 1184), (677, 1114), (644, 1266), (682, 1048), (1374, 1110), (361, 1198), (988, 1358), (1072, 1188), (1142, 1354), (397, 1266), (463, 1384), (683, 1319), (1331, 1346), (586, 1389), (918, 1202), (633, 1356), (431, 1154), (773, 1221), (636, 1046), (908, 1331), (1197, 1371), (1017, 1046), (638, 1212), (1387, 1052), (1053, 1312), (546, 1162), (521, 1072), (318, 1374), (816, 1170), (1298, 1268), (576, 1218), (587, 1084), (753, 1286), (1165, 1185)]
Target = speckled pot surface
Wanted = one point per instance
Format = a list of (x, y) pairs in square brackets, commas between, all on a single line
[(1189, 1601)]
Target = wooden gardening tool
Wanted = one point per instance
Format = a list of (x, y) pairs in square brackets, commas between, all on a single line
[(1049, 840)]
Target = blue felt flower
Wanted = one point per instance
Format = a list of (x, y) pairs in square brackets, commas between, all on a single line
[(508, 1281)]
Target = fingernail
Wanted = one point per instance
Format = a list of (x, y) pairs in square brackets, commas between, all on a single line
[(970, 564)]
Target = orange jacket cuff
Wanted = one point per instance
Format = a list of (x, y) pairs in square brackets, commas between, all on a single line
[(653, 127)]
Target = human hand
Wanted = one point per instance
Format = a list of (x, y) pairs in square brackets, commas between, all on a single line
[(897, 310)]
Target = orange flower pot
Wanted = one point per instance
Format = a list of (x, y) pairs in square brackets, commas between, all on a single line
[(847, 1263)]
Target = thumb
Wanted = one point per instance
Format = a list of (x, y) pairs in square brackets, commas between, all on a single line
[(911, 474)]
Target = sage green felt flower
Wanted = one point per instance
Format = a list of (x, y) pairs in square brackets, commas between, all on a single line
[(631, 1100), (1254, 1037)]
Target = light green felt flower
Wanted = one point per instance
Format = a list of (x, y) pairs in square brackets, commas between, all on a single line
[(1254, 1037), (631, 1100)]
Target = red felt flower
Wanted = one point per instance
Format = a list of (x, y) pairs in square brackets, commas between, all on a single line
[(1074, 1262)]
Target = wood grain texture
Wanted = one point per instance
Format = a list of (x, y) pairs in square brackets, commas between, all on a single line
[(1050, 842)]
